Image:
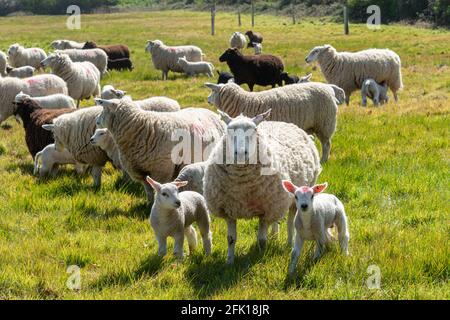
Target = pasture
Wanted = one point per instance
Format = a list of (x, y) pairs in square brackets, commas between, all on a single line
[(388, 165)]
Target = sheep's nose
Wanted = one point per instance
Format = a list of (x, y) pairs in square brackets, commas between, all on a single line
[(178, 203), (92, 140), (304, 206), (306, 59)]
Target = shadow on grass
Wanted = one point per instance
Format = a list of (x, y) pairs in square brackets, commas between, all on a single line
[(139, 211), (124, 184), (25, 168)]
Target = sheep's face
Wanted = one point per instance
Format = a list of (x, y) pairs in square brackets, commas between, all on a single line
[(214, 97), (109, 93), (13, 49), (104, 118), (229, 54), (167, 194), (54, 59), (100, 137), (151, 45), (56, 44), (315, 53), (304, 196), (90, 45)]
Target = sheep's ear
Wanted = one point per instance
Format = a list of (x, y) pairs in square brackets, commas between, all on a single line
[(231, 80), (261, 117), (318, 188), (180, 184), (48, 127), (106, 103), (306, 78), (225, 117), (154, 184), (289, 186), (213, 86)]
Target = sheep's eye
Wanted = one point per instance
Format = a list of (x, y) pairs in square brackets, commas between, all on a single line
[(164, 194), (312, 197), (296, 198)]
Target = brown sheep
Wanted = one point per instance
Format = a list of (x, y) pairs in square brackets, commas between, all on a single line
[(114, 52), (254, 37)]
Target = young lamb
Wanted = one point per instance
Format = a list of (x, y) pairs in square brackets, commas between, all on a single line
[(262, 70), (53, 101), (195, 68), (97, 57), (37, 86), (317, 213), (254, 37), (66, 44), (83, 78), (311, 106), (50, 158), (349, 70), (238, 41), (244, 172), (224, 77), (193, 173), (153, 148), (165, 58), (3, 64), (104, 139), (114, 51), (21, 57), (173, 214), (120, 64), (22, 72), (376, 92), (257, 48)]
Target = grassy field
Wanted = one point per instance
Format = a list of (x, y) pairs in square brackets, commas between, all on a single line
[(389, 165)]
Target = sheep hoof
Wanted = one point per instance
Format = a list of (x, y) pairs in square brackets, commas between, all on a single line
[(262, 243)]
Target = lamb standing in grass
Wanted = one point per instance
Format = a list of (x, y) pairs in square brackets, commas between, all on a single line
[(21, 57), (238, 41), (376, 92), (22, 72), (3, 64), (50, 158), (53, 101), (317, 213), (83, 78), (195, 68), (172, 215), (349, 70), (244, 172)]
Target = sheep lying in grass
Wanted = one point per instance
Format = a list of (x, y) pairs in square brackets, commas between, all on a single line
[(83, 78), (21, 57), (66, 44), (173, 214), (97, 57), (244, 172), (22, 72), (317, 213), (195, 68), (193, 174), (104, 139), (349, 70), (238, 41), (376, 92), (53, 101), (50, 158), (3, 64)]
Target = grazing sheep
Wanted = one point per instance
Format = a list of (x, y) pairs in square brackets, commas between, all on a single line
[(291, 79), (376, 92), (165, 58), (3, 64), (53, 101), (238, 41), (103, 139), (225, 77), (193, 173), (114, 51), (120, 64), (254, 37), (22, 72), (257, 48), (195, 68), (317, 213), (33, 117), (50, 158), (148, 141), (311, 106), (66, 44), (173, 214), (262, 70), (21, 57), (83, 78), (36, 86), (349, 70), (244, 172), (96, 56)]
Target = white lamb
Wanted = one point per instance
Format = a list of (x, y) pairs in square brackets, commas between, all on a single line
[(51, 158), (165, 58), (97, 57), (195, 68), (67, 44), (21, 72), (316, 214), (3, 64), (20, 56), (238, 40), (173, 214), (82, 78), (349, 70), (103, 139), (109, 92), (53, 101), (376, 92), (257, 47)]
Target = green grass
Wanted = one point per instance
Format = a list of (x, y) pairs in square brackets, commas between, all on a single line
[(389, 165)]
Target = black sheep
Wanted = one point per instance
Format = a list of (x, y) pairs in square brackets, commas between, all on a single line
[(224, 77), (120, 64), (263, 70), (289, 79), (254, 37), (114, 52)]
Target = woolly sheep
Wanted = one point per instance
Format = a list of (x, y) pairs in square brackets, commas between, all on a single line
[(113, 51), (153, 148), (66, 44), (96, 56), (348, 70), (257, 47), (376, 92), (173, 214), (194, 68), (21, 57), (317, 213), (311, 106), (50, 158), (193, 173), (36, 86), (83, 78), (165, 58), (109, 92), (238, 41), (53, 101), (73, 132), (244, 172), (3, 64), (22, 72), (104, 139)]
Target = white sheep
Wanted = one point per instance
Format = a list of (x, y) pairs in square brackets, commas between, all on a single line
[(195, 68), (317, 213), (165, 58), (50, 158), (238, 41), (66, 44), (83, 78), (36, 86), (244, 172), (20, 56), (311, 106), (21, 72), (349, 70), (53, 101), (103, 139), (173, 214), (109, 92), (376, 92), (98, 57), (257, 47), (193, 173), (3, 64)]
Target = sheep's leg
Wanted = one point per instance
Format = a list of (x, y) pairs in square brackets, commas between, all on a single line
[(320, 243), (191, 237), (262, 233), (326, 147), (97, 176), (78, 104), (54, 170), (394, 92), (275, 228), (232, 237), (178, 247), (347, 98), (162, 245), (363, 98), (295, 254), (203, 225), (343, 234), (290, 224)]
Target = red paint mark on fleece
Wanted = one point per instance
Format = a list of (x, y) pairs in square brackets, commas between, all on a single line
[(31, 81)]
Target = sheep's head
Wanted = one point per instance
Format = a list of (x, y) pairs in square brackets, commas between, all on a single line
[(151, 45), (214, 97), (56, 44), (316, 52), (55, 59), (304, 196), (90, 45), (13, 49), (229, 54), (167, 194), (100, 137), (182, 60), (21, 97), (109, 107), (249, 33), (225, 77), (109, 93)]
